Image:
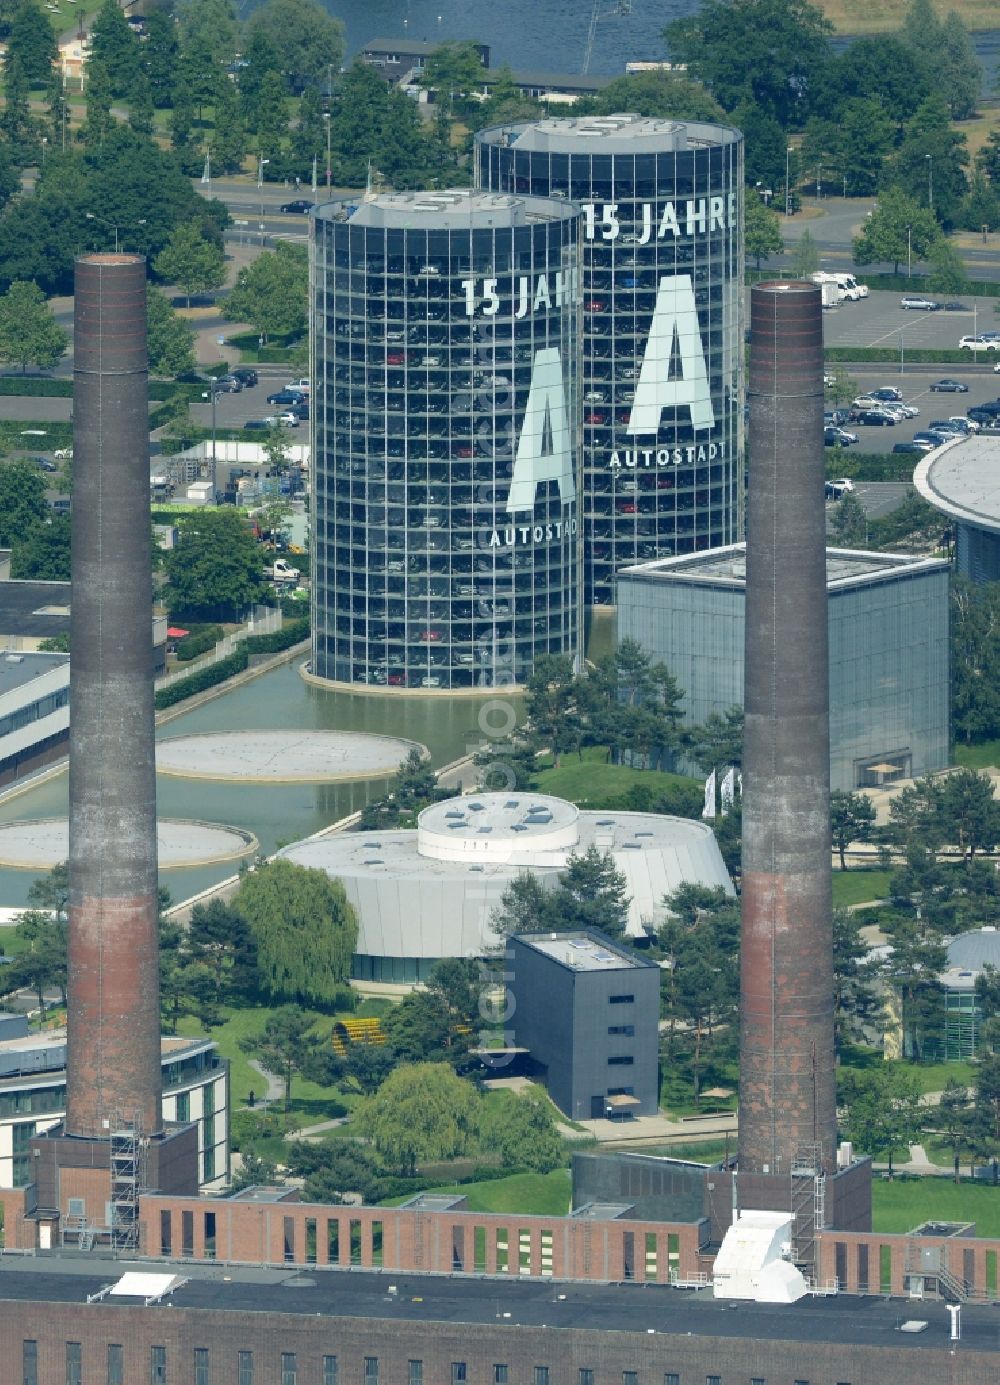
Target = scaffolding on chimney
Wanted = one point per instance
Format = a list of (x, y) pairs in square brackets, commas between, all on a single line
[(808, 1203), (128, 1180)]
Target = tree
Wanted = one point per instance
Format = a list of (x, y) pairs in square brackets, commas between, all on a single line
[(269, 122), (657, 93), (856, 1002), (930, 162), (31, 44), (160, 54), (219, 939), (216, 570), (272, 293), (866, 136), (521, 1128), (420, 1029), (169, 339), (41, 959), (210, 24), (954, 1121), (17, 125), (898, 230), (98, 122), (141, 110), (22, 501), (699, 944), (805, 256), (366, 1066), (849, 527), (524, 907), (948, 273), (229, 142), (421, 1111), (591, 894), (10, 180), (191, 260), (308, 40), (882, 1110), (455, 72), (29, 333), (115, 47), (762, 230), (42, 553), (960, 75), (718, 741), (304, 929), (912, 968), (968, 811), (852, 817), (975, 659), (769, 52), (980, 208), (282, 1045)]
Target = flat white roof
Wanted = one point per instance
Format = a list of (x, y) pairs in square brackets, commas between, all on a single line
[(581, 953), (962, 479)]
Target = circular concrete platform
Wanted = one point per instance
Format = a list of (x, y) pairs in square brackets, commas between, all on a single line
[(41, 843), (282, 757)]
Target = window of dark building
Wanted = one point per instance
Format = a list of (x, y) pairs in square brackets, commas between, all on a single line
[(245, 1368), (628, 1256), (209, 1230), (116, 1364), (289, 1237), (289, 1368), (157, 1366), (165, 1237), (29, 1362), (862, 1269), (621, 999), (459, 1374), (332, 1241), (671, 1378), (74, 1363), (541, 1375), (329, 1370), (201, 1366), (630, 1378), (621, 1060), (713, 1380), (187, 1233), (500, 1375), (586, 1376), (626, 1029), (355, 1233), (757, 1380), (371, 1370), (415, 1373)]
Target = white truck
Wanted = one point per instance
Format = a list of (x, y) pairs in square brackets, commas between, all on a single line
[(282, 571), (847, 286)]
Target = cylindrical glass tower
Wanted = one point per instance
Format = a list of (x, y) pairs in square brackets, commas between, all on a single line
[(662, 202), (447, 438)]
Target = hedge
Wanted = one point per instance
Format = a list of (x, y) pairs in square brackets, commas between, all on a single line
[(899, 283), (41, 387), (207, 677), (870, 466), (292, 633), (198, 642), (918, 355)]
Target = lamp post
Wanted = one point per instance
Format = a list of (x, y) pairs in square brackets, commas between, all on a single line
[(788, 191), (909, 253), (92, 216), (329, 170), (213, 393), (930, 181), (261, 165), (819, 182)]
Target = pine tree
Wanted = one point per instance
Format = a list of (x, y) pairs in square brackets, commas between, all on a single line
[(99, 121), (228, 145), (140, 107), (115, 47), (31, 44), (160, 54)]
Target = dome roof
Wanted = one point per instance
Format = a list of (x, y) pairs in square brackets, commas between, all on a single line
[(975, 950)]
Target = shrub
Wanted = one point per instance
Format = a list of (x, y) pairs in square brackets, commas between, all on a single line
[(198, 641), (292, 633), (203, 678)]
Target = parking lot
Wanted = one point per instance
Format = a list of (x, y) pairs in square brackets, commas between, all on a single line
[(914, 384), (878, 320)]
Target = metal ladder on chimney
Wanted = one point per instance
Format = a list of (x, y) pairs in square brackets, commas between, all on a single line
[(808, 1203), (128, 1170)]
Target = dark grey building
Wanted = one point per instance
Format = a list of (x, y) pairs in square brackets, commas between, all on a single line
[(587, 1010), (662, 203), (888, 622)]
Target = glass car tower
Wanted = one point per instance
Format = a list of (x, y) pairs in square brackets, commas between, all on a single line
[(447, 438), (663, 336)]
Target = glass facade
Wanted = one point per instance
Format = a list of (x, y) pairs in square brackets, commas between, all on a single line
[(663, 310), (446, 438), (888, 623)]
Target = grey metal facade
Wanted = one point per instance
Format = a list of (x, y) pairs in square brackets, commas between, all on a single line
[(888, 640), (446, 439), (593, 1029), (663, 311)]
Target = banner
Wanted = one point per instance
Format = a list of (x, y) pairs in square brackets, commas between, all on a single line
[(728, 789), (709, 809)]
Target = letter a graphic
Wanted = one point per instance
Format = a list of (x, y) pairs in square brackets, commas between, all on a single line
[(675, 317), (543, 449)]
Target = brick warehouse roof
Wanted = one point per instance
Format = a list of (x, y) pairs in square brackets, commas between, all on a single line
[(330, 1293)]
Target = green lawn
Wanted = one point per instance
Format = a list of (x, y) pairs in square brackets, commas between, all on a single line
[(859, 886), (904, 1203), (593, 783), (985, 755), (541, 1194)]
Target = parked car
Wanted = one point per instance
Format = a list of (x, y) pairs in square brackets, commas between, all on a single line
[(286, 419), (246, 375), (980, 343), (63, 454), (875, 418), (46, 463), (934, 438), (926, 305), (285, 396), (838, 437), (954, 307), (887, 393), (948, 386), (228, 384), (299, 206), (836, 418), (914, 447), (948, 425), (836, 490), (256, 424)]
